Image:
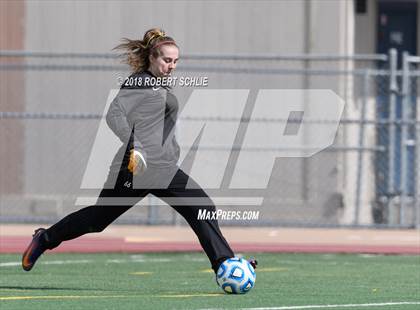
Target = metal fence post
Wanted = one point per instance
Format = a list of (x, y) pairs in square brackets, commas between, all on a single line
[(392, 116), (417, 173), (361, 145), (416, 195), (405, 114), (152, 215)]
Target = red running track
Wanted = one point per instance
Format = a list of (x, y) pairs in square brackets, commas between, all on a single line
[(11, 244)]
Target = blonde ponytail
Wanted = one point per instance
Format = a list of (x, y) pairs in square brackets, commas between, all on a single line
[(136, 52)]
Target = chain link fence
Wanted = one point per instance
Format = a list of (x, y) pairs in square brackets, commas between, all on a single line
[(52, 105)]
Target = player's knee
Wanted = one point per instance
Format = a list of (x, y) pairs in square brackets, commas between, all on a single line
[(97, 228)]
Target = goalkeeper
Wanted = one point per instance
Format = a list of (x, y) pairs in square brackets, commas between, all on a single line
[(147, 160)]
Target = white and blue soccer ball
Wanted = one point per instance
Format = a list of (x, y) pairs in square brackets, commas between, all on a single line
[(236, 276)]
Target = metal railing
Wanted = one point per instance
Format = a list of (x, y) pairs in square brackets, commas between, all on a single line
[(376, 85)]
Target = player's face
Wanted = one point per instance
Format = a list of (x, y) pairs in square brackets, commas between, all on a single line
[(164, 64)]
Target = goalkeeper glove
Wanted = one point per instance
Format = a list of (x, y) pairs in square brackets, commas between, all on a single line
[(137, 162)]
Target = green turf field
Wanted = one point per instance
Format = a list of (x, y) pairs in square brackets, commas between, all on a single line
[(184, 281)]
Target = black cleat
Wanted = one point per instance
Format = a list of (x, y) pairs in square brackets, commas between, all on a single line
[(34, 250), (253, 263)]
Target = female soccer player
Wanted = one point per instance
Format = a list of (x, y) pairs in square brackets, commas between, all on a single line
[(142, 116)]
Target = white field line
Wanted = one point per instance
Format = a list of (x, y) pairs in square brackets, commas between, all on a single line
[(383, 304), (132, 259), (87, 261), (52, 262), (143, 259)]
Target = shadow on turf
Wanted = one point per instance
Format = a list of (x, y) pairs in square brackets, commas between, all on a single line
[(47, 288)]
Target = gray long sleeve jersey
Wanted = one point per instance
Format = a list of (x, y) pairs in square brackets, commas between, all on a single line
[(144, 117)]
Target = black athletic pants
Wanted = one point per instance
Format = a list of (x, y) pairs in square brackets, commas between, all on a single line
[(97, 217)]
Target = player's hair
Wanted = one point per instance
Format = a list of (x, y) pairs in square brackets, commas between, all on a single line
[(136, 52)]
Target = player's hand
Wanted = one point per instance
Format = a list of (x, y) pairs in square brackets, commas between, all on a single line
[(137, 162)]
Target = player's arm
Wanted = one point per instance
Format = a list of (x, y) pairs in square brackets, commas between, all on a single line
[(116, 119)]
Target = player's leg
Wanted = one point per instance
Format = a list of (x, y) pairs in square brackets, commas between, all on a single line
[(87, 220), (91, 219), (188, 202)]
